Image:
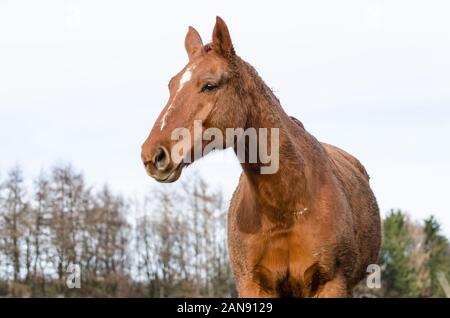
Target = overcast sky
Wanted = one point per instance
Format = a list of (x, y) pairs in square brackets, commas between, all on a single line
[(83, 82)]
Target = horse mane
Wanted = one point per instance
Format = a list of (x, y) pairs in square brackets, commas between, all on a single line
[(260, 85), (249, 84)]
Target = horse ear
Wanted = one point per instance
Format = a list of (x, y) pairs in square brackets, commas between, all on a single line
[(193, 42), (221, 39)]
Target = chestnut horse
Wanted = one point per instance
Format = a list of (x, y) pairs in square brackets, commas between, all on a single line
[(308, 230)]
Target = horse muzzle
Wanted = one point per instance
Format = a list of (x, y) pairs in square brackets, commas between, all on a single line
[(159, 165)]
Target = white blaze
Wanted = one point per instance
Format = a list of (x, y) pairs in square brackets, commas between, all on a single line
[(186, 77)]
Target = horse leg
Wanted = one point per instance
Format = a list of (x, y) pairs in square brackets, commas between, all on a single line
[(250, 289), (335, 288)]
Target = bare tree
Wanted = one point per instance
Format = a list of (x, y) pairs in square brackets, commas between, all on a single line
[(69, 199), (181, 243), (13, 209)]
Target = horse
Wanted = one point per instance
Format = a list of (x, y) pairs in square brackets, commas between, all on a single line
[(310, 229)]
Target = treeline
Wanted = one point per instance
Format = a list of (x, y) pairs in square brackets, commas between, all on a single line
[(171, 244), (414, 258), (168, 244), (181, 244)]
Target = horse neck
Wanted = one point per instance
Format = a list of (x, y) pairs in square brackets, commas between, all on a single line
[(264, 111)]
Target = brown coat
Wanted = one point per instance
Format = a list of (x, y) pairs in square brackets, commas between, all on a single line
[(309, 230)]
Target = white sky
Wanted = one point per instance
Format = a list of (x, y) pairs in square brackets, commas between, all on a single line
[(83, 81)]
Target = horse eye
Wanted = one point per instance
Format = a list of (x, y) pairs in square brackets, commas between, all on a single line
[(209, 87)]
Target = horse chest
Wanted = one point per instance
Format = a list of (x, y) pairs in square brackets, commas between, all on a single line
[(284, 262)]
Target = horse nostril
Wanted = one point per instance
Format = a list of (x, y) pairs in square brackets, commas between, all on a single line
[(161, 158), (160, 155)]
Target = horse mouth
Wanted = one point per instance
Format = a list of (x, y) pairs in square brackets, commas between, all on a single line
[(172, 176)]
